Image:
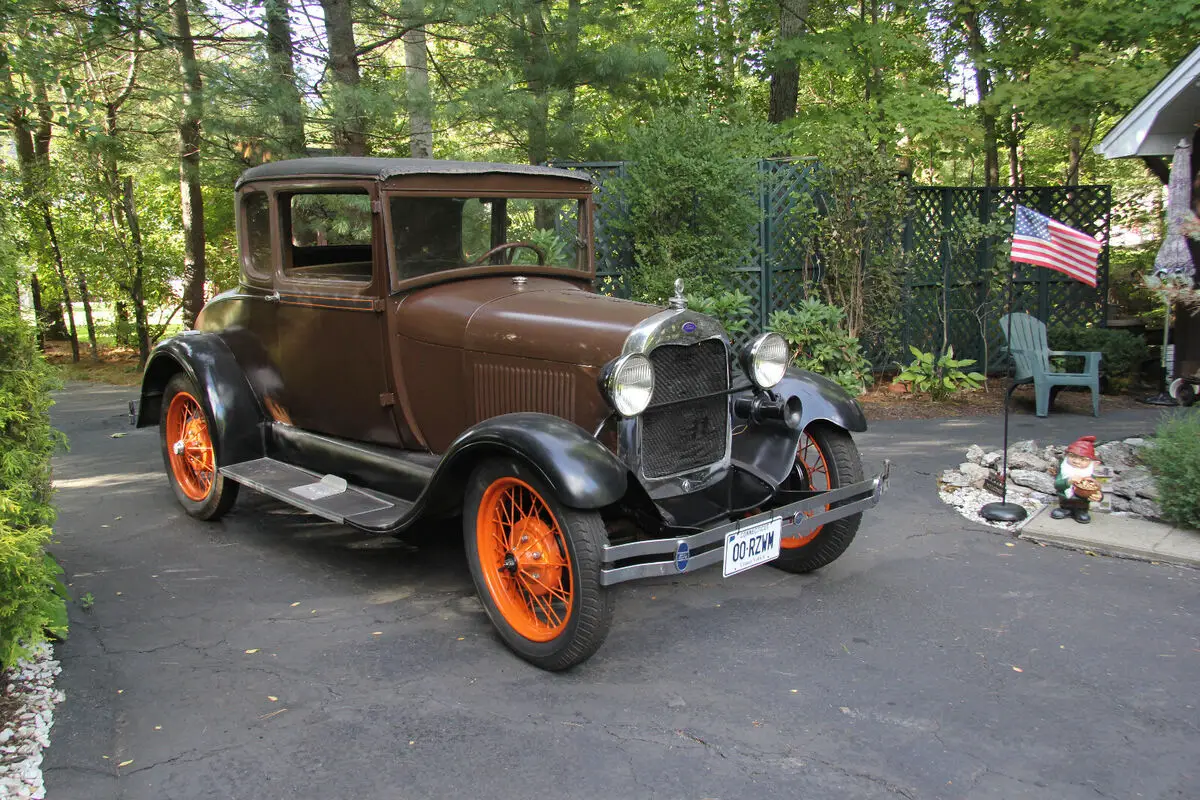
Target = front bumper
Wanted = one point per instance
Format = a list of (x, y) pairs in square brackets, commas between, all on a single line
[(643, 559)]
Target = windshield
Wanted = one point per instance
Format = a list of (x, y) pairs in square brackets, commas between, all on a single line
[(434, 234)]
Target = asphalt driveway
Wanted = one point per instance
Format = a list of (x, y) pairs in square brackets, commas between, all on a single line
[(272, 655)]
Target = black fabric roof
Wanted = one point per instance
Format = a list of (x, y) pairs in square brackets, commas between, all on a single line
[(384, 168)]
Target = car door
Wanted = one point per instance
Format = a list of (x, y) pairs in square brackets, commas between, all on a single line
[(330, 330)]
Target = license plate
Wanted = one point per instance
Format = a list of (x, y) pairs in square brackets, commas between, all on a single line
[(753, 545)]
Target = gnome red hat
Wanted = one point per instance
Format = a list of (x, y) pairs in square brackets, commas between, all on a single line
[(1083, 446)]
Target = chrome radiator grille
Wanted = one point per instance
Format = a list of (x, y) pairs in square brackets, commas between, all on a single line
[(693, 434)]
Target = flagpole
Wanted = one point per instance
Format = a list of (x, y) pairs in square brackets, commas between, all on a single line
[(1005, 511)]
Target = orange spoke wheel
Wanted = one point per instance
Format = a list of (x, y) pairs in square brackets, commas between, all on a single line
[(190, 447), (524, 559), (826, 458), (537, 564), (189, 452), (813, 469)]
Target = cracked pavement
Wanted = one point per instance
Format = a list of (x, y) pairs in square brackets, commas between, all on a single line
[(273, 655)]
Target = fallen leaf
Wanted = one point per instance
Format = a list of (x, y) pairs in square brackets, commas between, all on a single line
[(377, 633), (462, 638), (118, 435), (272, 698), (158, 727), (119, 594), (125, 763), (795, 691), (252, 651), (411, 742), (1017, 669), (295, 604), (120, 691), (273, 714), (1089, 552), (104, 757), (1009, 544), (116, 518)]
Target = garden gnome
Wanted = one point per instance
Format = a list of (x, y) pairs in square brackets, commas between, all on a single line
[(1075, 485)]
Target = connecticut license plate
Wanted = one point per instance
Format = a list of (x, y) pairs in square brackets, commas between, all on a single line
[(752, 545)]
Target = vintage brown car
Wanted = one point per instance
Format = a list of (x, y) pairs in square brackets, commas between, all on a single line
[(420, 340)]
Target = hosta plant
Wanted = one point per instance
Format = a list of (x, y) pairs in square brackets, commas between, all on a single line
[(939, 377)]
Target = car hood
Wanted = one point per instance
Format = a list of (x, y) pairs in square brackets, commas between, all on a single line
[(544, 319)]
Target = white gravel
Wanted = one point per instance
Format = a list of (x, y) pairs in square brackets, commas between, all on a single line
[(23, 737), (968, 501)]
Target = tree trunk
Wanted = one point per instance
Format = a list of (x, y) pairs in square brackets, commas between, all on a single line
[(349, 122), (983, 87), (56, 254), (416, 68), (1016, 169), (785, 76), (286, 92), (87, 316), (191, 200), (1075, 155), (537, 67), (39, 314), (137, 290)]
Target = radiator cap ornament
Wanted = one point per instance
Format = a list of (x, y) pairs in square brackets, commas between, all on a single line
[(678, 301)]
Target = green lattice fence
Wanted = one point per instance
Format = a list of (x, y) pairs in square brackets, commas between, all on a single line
[(783, 264)]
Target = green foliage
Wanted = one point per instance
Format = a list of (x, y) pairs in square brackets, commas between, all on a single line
[(731, 308), (820, 343), (939, 377), (1123, 352), (855, 219), (690, 195), (31, 594), (1173, 456)]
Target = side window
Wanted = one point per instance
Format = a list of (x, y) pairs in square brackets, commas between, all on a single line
[(256, 211), (327, 236)]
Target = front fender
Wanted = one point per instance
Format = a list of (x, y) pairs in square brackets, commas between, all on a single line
[(580, 471), (771, 450), (224, 392)]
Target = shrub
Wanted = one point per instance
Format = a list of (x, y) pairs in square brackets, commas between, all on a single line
[(1123, 352), (820, 343), (731, 309), (32, 599), (940, 377), (1173, 456), (690, 191)]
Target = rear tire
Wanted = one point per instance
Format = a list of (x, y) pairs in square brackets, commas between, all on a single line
[(826, 458), (190, 455), (536, 566)]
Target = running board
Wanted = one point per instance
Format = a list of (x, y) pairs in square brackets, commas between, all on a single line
[(326, 496)]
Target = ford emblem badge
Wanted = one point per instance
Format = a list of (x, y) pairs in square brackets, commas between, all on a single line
[(689, 327), (682, 556)]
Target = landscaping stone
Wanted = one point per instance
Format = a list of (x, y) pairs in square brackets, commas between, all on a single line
[(975, 473), (1038, 481), (975, 454), (1117, 456), (1030, 461), (955, 478)]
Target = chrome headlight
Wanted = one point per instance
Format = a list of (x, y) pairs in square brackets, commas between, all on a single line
[(628, 384), (765, 359)]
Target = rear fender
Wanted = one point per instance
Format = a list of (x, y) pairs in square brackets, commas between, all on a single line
[(224, 392), (580, 471)]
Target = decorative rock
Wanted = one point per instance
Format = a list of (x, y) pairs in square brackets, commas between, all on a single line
[(1117, 455), (1145, 508), (1038, 481), (1027, 446), (1023, 459), (1135, 441), (992, 459), (953, 478), (975, 473), (975, 454)]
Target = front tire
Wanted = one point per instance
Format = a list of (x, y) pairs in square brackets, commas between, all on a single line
[(189, 454), (826, 458), (536, 566)]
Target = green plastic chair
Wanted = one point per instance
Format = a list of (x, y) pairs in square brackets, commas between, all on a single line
[(1032, 354)]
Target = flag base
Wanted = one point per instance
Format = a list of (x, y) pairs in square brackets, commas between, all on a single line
[(1003, 512)]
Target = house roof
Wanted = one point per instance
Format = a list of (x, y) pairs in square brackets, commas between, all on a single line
[(384, 168), (1169, 112)]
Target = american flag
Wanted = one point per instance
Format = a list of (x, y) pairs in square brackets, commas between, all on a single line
[(1048, 243)]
